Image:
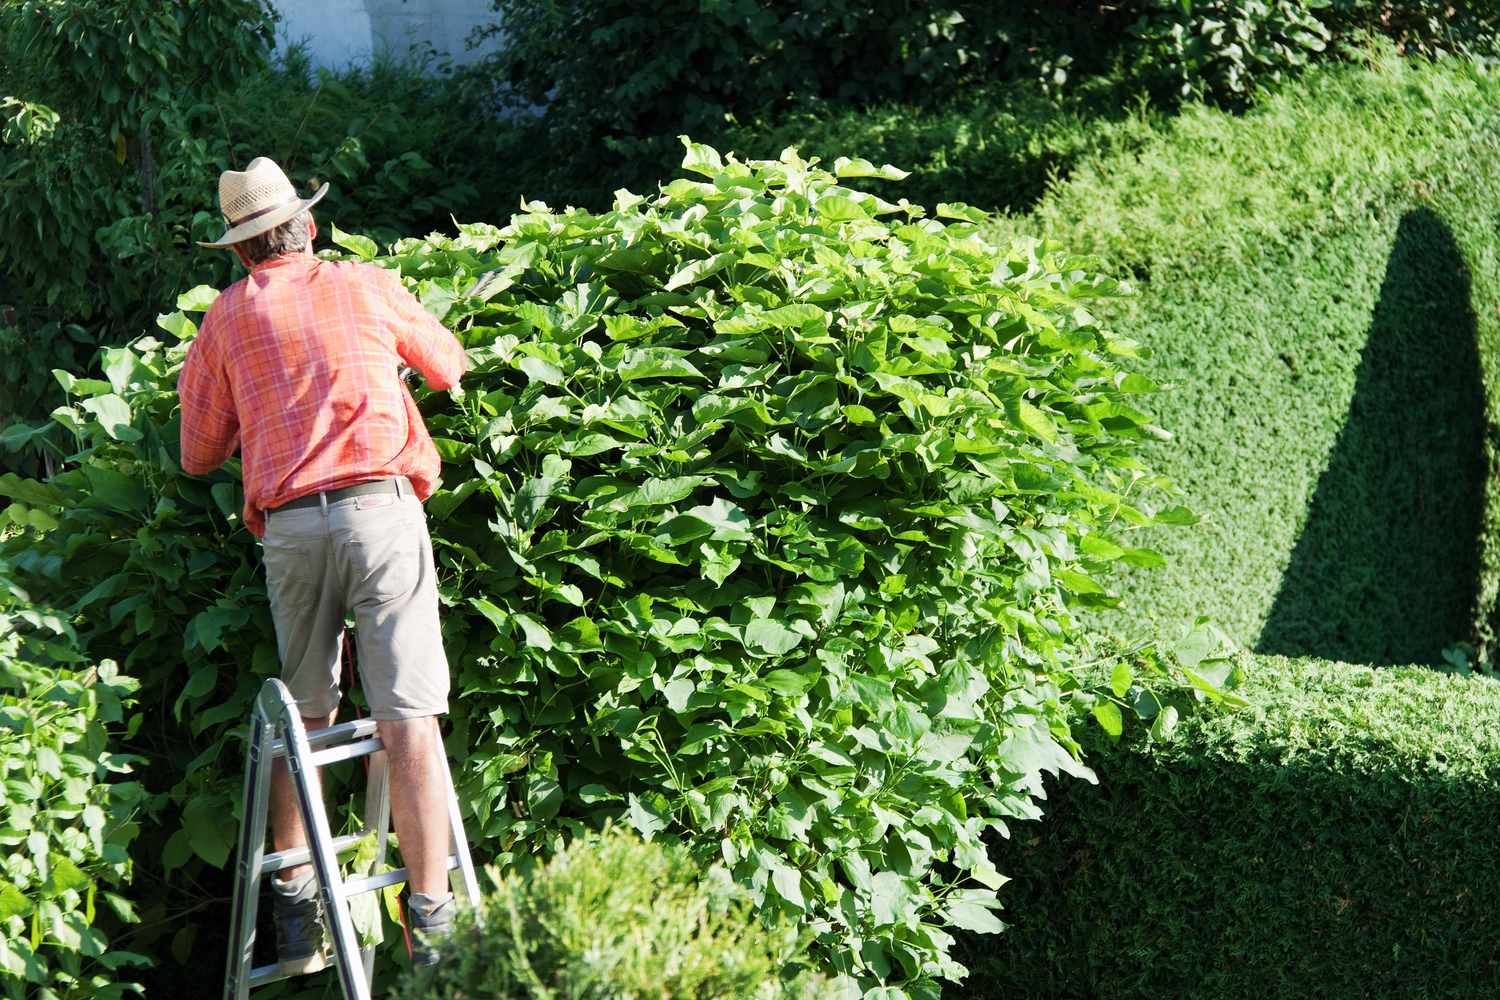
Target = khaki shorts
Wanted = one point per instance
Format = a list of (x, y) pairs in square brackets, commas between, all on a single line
[(370, 555)]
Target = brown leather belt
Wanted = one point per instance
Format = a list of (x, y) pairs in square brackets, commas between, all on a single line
[(398, 486)]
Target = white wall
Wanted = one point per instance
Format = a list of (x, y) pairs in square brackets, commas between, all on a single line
[(340, 32)]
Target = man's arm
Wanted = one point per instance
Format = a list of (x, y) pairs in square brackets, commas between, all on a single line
[(423, 342), (210, 422)]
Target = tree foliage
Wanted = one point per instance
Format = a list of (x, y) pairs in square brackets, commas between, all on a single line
[(96, 214), (118, 117)]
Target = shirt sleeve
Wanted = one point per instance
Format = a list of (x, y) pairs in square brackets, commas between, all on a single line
[(210, 421), (422, 341)]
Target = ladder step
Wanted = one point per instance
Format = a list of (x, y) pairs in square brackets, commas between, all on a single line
[(348, 751), (356, 730), (301, 855), (262, 975), (369, 883)]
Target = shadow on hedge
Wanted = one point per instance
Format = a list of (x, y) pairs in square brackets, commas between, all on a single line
[(1331, 874), (1386, 569)]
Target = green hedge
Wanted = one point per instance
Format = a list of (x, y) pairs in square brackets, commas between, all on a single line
[(1336, 841), (1318, 278), (1332, 417)]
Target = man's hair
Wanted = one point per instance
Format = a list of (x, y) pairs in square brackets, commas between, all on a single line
[(289, 237)]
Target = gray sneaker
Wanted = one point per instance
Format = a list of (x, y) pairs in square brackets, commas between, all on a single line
[(300, 943), (428, 918)]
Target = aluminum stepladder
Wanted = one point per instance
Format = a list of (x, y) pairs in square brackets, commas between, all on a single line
[(275, 712)]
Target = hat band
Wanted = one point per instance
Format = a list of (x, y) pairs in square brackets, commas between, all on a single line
[(234, 223)]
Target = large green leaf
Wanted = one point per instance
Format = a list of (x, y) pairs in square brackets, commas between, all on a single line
[(28, 490), (113, 414), (765, 637), (114, 490), (13, 902)]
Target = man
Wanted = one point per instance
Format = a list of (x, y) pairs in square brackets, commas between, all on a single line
[(296, 366)]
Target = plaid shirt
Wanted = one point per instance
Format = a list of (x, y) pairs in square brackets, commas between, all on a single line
[(296, 366)]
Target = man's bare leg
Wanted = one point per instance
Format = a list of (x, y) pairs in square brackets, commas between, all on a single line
[(419, 802), (286, 823)]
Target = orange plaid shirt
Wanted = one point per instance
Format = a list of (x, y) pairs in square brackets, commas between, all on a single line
[(296, 365)]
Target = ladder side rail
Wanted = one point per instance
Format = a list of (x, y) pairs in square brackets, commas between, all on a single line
[(325, 862), (377, 818), (254, 801), (459, 841)]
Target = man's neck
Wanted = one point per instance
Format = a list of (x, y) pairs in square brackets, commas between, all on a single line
[(285, 258)]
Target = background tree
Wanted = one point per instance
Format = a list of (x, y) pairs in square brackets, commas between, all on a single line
[(96, 211), (612, 86), (120, 116)]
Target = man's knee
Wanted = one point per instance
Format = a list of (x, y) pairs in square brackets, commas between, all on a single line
[(410, 740), (414, 725)]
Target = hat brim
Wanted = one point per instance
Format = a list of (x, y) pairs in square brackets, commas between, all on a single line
[(267, 222)]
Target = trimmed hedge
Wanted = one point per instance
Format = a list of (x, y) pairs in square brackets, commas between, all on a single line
[(1318, 278), (1331, 416), (1337, 841)]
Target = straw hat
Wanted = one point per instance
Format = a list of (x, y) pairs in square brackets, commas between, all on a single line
[(256, 200)]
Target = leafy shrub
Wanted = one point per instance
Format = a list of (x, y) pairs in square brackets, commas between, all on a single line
[(1226, 47), (1428, 28), (611, 916), (1335, 842), (765, 524), (158, 575), (1316, 278), (65, 822)]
